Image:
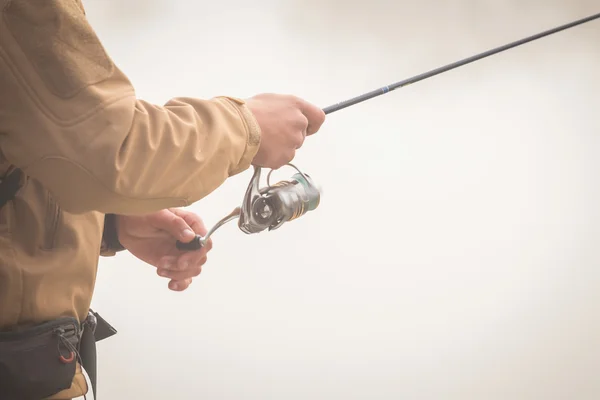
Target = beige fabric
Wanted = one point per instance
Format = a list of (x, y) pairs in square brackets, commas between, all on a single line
[(71, 120)]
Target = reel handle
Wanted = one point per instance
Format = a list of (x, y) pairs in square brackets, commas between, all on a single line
[(198, 242), (195, 244)]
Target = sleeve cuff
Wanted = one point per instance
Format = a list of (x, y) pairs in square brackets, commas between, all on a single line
[(110, 239), (253, 131)]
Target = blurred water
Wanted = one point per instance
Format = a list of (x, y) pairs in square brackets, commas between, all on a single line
[(455, 253)]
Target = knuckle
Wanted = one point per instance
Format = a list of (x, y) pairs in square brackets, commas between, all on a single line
[(289, 156), (174, 275), (299, 140), (320, 117), (176, 219), (186, 274), (281, 161), (303, 121), (190, 274), (317, 115)]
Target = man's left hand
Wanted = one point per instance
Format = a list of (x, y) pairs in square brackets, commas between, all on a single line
[(151, 238)]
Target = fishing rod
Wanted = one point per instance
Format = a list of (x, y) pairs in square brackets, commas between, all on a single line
[(269, 207), (437, 71)]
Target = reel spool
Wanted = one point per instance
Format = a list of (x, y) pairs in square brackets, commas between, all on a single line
[(269, 207)]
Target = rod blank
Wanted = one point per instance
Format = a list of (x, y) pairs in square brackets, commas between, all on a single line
[(429, 74)]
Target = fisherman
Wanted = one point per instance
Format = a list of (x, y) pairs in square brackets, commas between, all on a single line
[(88, 169)]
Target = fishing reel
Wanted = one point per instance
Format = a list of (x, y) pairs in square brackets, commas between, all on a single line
[(269, 207)]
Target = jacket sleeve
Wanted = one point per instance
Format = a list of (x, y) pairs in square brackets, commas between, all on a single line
[(70, 118)]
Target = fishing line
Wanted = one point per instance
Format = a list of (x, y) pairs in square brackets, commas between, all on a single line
[(429, 74)]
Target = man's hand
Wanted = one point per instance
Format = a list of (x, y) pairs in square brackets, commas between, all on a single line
[(285, 121), (152, 237)]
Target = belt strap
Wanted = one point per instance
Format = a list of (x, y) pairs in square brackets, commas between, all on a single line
[(87, 352), (9, 186), (95, 329)]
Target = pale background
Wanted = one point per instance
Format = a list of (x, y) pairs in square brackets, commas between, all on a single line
[(455, 254)]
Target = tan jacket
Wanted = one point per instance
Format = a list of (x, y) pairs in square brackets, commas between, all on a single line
[(89, 147)]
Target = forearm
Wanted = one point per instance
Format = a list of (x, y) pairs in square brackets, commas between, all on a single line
[(143, 160)]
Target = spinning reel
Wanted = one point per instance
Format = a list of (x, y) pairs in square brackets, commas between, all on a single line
[(269, 207)]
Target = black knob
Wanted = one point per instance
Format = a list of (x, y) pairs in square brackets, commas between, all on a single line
[(194, 244)]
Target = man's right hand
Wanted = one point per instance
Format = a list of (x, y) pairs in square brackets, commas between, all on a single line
[(285, 121)]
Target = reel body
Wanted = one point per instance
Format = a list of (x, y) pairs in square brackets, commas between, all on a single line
[(269, 207), (272, 206)]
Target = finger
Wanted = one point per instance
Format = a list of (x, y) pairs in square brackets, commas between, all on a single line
[(192, 258), (299, 140), (178, 275), (172, 223), (179, 286), (303, 127), (167, 263), (183, 260), (286, 157), (193, 220), (315, 116)]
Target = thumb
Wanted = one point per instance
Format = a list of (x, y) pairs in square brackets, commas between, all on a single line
[(174, 224)]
